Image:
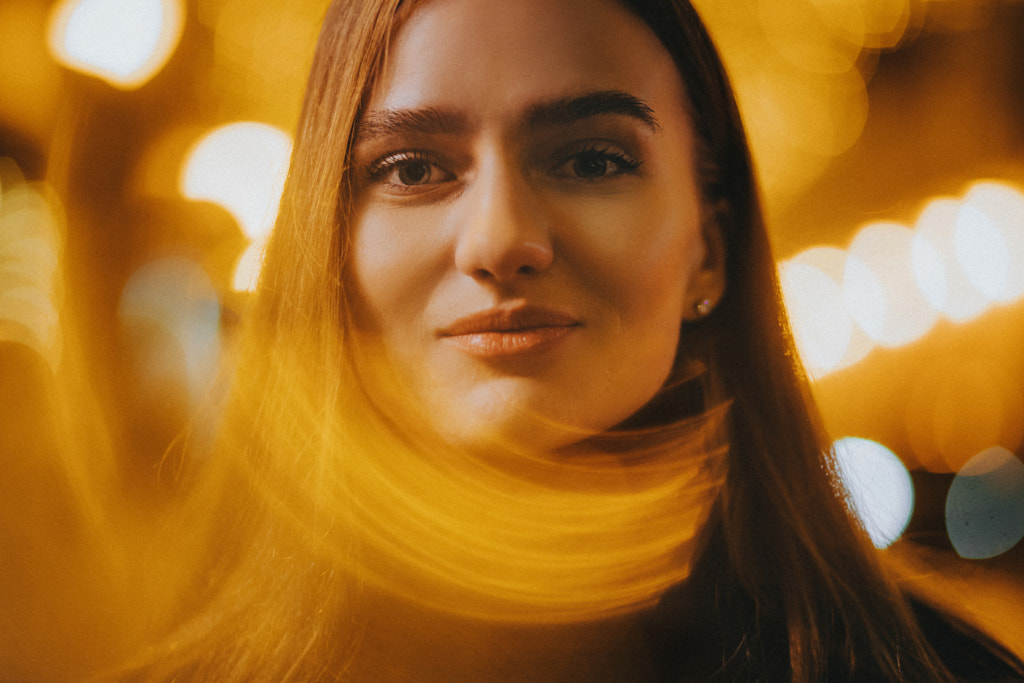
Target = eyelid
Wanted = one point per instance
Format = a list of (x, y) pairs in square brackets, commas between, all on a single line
[(383, 164), (628, 162)]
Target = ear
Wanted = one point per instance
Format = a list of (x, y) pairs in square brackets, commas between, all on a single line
[(707, 286)]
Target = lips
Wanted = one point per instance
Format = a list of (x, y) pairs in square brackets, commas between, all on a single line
[(510, 332)]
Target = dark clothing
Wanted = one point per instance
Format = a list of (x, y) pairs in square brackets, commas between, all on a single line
[(969, 655), (699, 635)]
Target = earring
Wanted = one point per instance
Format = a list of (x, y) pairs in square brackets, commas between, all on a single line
[(703, 307)]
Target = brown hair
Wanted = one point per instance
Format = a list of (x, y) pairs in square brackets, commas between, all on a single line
[(789, 547), (796, 583)]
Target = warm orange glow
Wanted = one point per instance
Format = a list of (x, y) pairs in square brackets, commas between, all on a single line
[(124, 42), (30, 276), (960, 407), (803, 100), (818, 48)]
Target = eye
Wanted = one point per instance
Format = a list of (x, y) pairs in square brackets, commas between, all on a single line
[(407, 170), (596, 163)]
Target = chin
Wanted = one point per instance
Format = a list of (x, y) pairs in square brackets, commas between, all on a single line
[(526, 435)]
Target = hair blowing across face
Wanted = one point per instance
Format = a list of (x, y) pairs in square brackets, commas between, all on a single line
[(796, 587)]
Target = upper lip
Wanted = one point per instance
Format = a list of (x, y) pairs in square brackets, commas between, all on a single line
[(509, 320)]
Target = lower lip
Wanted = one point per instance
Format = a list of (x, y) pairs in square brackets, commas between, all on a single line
[(511, 343)]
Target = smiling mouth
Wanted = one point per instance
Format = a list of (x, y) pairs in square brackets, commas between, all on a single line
[(503, 333)]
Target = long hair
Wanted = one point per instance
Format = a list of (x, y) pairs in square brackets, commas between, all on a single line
[(795, 583), (788, 545)]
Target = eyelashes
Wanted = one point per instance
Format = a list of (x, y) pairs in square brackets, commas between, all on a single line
[(414, 170), (595, 163), (408, 169)]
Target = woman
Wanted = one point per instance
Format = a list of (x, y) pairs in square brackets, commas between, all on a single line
[(517, 399)]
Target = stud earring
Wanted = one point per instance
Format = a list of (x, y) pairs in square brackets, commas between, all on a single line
[(703, 307)]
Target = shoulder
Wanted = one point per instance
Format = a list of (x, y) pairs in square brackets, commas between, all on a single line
[(969, 654)]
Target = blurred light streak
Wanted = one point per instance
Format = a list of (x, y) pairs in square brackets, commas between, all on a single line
[(242, 167), (30, 81), (879, 486), (176, 295), (31, 283), (959, 407), (124, 42), (985, 505), (881, 292)]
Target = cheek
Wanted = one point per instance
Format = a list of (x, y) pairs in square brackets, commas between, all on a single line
[(640, 254), (390, 275)]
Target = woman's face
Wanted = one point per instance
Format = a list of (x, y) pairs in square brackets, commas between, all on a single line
[(528, 236)]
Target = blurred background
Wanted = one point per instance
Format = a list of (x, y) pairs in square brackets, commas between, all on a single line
[(143, 145)]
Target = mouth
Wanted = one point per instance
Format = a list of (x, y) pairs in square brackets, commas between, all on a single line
[(511, 332)]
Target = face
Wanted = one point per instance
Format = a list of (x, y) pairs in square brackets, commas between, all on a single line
[(528, 237)]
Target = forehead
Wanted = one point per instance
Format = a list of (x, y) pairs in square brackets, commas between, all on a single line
[(490, 56)]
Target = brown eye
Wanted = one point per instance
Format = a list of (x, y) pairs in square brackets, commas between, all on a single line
[(400, 172), (590, 166), (595, 163), (414, 173)]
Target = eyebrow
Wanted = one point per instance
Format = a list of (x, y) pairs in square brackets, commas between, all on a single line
[(569, 110), (427, 121), (560, 112)]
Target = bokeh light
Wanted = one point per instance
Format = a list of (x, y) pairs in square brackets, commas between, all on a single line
[(124, 42), (803, 99), (997, 211), (881, 291), (985, 505), (824, 330), (174, 296), (247, 269), (982, 253), (959, 300), (242, 167), (959, 406), (818, 49), (873, 24), (879, 486), (30, 278)]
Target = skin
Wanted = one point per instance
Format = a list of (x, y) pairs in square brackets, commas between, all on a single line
[(503, 197)]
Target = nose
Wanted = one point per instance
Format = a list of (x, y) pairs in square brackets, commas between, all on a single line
[(505, 235)]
